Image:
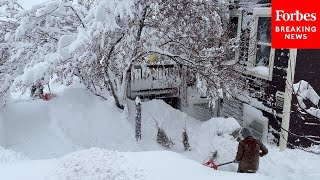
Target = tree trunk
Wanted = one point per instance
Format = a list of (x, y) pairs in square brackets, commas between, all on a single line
[(112, 89)]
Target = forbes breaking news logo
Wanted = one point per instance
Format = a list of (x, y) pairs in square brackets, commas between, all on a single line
[(295, 32), (295, 24)]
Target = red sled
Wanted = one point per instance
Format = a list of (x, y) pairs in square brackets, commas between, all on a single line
[(211, 164)]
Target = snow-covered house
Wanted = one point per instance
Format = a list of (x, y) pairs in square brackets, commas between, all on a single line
[(284, 84)]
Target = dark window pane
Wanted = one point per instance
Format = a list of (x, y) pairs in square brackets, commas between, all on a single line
[(233, 27), (264, 29), (263, 55)]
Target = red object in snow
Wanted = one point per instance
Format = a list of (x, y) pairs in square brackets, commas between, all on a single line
[(48, 96), (211, 164)]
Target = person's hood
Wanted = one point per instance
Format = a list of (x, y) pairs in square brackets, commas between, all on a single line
[(246, 132)]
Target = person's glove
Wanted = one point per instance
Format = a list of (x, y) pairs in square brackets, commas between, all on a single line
[(235, 161)]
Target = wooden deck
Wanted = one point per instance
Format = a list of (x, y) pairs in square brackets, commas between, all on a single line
[(155, 81)]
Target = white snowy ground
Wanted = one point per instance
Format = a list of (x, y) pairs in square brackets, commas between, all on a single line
[(99, 164), (47, 132)]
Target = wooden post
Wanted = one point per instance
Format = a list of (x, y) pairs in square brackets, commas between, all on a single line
[(138, 119), (184, 87), (287, 100)]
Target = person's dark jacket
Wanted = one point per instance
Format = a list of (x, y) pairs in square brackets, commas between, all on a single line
[(249, 151)]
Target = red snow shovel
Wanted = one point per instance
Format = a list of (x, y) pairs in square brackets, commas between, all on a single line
[(212, 165), (48, 96)]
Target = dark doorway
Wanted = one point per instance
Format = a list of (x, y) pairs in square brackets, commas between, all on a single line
[(172, 101)]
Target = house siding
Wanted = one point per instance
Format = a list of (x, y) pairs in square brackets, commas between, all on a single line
[(263, 90), (305, 128)]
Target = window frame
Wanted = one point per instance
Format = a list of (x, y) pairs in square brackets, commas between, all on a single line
[(257, 13), (237, 13)]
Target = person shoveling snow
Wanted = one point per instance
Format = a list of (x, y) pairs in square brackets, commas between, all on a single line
[(249, 151)]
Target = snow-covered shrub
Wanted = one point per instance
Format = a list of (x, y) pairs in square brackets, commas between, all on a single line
[(214, 155), (162, 137), (185, 139)]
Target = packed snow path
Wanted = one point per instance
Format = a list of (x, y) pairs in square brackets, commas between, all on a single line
[(28, 130)]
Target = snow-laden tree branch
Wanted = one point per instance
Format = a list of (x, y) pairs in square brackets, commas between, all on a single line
[(31, 40), (99, 42)]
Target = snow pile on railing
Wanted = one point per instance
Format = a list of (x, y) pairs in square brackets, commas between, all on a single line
[(304, 91), (96, 163)]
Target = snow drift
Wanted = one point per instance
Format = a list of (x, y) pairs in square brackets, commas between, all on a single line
[(77, 119), (9, 156), (97, 164), (90, 121)]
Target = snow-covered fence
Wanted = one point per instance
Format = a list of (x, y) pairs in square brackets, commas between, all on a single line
[(304, 92)]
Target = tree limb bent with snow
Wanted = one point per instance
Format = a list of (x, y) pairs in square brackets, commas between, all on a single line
[(99, 42)]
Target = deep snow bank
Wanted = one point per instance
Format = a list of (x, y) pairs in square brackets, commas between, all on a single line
[(98, 164), (171, 120), (172, 166), (215, 135), (291, 164), (90, 121), (28, 130), (205, 137), (7, 155)]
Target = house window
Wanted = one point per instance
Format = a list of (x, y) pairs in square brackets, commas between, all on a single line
[(233, 26), (263, 48), (261, 53), (234, 31)]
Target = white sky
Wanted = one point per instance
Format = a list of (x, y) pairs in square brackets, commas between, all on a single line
[(27, 4)]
